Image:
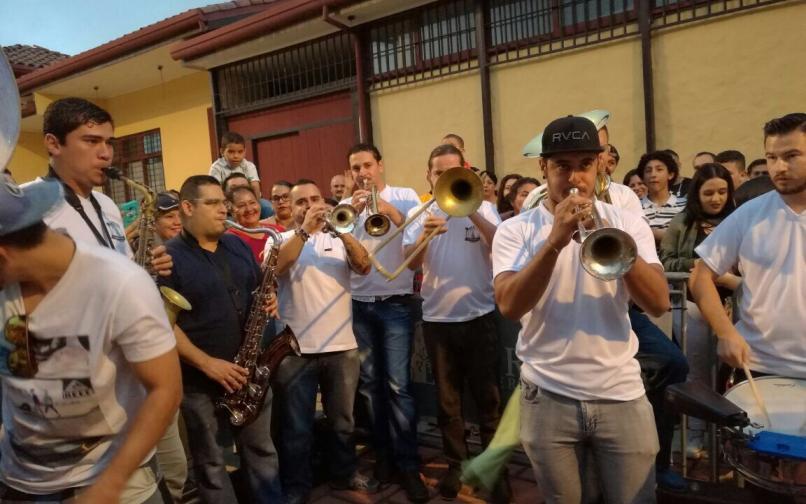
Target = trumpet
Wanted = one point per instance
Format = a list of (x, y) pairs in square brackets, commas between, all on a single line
[(377, 224), (607, 253), (458, 193), (341, 219)]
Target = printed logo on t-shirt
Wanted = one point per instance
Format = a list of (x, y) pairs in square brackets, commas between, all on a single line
[(118, 236), (472, 234), (60, 393)]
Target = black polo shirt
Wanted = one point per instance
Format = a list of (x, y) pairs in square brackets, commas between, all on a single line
[(219, 285)]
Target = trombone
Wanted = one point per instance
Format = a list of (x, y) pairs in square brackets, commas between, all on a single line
[(458, 193), (607, 253), (377, 224)]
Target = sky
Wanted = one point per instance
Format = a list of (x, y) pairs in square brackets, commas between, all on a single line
[(73, 26)]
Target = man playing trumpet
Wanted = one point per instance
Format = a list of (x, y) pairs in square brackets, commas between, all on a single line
[(314, 276), (583, 399)]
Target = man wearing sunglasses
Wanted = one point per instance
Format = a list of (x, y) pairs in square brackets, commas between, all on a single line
[(70, 345), (217, 273)]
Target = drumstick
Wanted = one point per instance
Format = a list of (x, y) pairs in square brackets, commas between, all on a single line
[(756, 394)]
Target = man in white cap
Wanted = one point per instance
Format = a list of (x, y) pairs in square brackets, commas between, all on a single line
[(70, 345)]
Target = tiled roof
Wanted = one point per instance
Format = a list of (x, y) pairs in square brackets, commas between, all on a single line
[(31, 56)]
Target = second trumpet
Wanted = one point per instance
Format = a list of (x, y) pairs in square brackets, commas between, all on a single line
[(341, 219), (377, 224)]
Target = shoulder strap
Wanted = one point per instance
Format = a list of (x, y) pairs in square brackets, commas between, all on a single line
[(73, 200)]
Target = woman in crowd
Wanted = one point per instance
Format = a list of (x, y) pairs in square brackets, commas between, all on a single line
[(517, 195), (488, 184), (634, 181), (710, 200), (280, 200), (503, 204), (245, 209)]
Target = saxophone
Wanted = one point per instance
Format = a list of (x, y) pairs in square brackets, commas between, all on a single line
[(173, 301), (244, 404)]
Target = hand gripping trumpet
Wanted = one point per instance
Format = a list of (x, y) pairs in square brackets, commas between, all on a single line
[(377, 224), (607, 253)]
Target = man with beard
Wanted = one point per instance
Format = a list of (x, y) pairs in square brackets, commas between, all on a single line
[(767, 236)]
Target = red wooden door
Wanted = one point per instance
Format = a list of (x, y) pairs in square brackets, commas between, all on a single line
[(307, 139)]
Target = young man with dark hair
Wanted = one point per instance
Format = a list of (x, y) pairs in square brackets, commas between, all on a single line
[(383, 326), (78, 136), (217, 273), (660, 205), (313, 269), (766, 236), (459, 319), (233, 180), (583, 399), (233, 160), (702, 158), (69, 432), (758, 168), (734, 161)]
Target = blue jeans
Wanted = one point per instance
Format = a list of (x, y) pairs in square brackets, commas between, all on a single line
[(336, 373), (207, 427), (385, 334), (662, 364), (563, 436)]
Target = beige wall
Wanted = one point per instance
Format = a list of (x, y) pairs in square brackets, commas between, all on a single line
[(716, 83), (408, 122), (530, 94), (179, 109)]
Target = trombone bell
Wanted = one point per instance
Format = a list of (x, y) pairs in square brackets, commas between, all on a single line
[(458, 192)]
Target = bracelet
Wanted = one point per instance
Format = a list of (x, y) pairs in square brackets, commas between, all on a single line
[(303, 235)]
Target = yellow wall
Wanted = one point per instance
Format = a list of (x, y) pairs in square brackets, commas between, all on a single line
[(716, 83), (530, 94), (179, 109), (30, 159), (408, 122)]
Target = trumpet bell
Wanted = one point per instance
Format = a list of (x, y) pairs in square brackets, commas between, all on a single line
[(458, 192), (342, 218), (377, 225), (608, 253), (174, 303)]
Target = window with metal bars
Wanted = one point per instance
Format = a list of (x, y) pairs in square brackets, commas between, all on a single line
[(424, 39), (139, 157), (297, 72)]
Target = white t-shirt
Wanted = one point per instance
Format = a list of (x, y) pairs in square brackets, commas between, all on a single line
[(220, 169), (375, 284), (577, 340), (621, 196), (768, 241), (314, 296), (62, 426), (66, 218), (457, 270)]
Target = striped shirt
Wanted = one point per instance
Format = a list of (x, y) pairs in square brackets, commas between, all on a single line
[(660, 215)]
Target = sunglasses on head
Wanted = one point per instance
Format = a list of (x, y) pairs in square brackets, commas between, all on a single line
[(21, 361)]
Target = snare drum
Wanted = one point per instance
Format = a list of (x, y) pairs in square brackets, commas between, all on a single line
[(779, 468)]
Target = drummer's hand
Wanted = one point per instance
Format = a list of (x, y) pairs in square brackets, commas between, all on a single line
[(733, 350)]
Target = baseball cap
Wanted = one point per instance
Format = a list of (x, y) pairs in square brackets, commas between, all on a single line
[(167, 202), (21, 207), (570, 134), (598, 117)]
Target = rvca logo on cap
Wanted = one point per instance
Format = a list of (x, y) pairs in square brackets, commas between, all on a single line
[(570, 135)]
